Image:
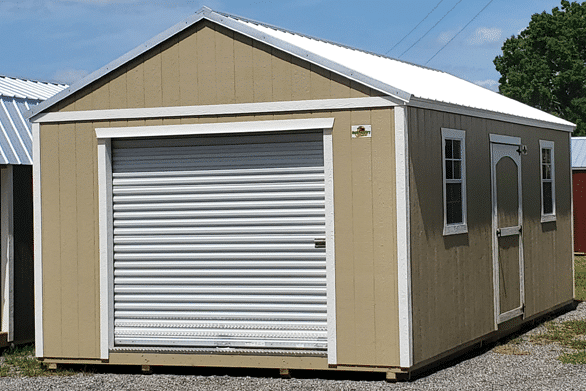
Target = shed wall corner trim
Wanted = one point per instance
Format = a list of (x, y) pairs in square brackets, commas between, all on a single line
[(38, 249), (403, 242)]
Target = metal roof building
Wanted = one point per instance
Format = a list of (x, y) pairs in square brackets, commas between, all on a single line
[(234, 194), (578, 153), (16, 225), (16, 97)]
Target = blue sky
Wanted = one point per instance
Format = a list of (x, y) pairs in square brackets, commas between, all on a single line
[(64, 40)]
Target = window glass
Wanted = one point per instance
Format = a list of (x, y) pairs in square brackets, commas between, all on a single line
[(547, 181), (454, 181)]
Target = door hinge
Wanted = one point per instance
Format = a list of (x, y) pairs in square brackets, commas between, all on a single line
[(320, 242)]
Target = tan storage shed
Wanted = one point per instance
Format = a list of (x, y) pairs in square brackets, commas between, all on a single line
[(235, 194)]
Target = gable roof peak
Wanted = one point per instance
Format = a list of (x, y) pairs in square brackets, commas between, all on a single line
[(402, 82)]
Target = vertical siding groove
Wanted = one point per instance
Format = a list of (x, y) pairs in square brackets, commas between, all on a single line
[(170, 76)]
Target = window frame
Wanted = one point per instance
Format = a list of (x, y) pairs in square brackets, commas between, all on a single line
[(546, 144), (461, 227)]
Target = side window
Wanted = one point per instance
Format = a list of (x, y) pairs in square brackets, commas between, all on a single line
[(454, 181), (547, 181)]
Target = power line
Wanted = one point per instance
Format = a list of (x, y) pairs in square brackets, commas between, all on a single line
[(475, 16), (427, 32), (409, 33)]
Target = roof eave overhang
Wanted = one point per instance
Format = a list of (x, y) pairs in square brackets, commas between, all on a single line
[(401, 97), (487, 114)]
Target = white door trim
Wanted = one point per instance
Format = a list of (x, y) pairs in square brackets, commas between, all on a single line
[(105, 135), (498, 317)]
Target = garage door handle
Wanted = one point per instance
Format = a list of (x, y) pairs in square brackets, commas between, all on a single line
[(508, 231), (320, 242)]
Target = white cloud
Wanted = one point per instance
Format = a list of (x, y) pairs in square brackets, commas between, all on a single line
[(484, 35), (445, 37), (69, 76), (489, 83)]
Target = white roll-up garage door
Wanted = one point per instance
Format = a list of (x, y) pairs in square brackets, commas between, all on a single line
[(218, 244)]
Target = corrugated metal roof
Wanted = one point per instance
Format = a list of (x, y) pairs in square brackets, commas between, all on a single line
[(16, 97), (12, 87), (404, 81), (578, 152)]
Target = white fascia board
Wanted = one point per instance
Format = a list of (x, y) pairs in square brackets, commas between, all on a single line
[(216, 110), (216, 128), (38, 250), (487, 114), (403, 238)]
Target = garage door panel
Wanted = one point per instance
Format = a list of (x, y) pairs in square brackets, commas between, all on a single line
[(214, 244), (222, 140)]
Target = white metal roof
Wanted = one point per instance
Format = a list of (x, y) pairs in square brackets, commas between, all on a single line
[(16, 97), (407, 83), (12, 87), (578, 152)]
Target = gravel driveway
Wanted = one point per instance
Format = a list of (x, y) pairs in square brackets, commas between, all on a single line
[(538, 370)]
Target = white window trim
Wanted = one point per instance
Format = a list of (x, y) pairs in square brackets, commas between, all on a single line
[(105, 135), (544, 144), (459, 228)]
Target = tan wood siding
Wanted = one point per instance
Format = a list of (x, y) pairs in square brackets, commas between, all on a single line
[(364, 194), (209, 64), (70, 270), (452, 275), (51, 233)]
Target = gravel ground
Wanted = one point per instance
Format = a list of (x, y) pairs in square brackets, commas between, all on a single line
[(489, 370)]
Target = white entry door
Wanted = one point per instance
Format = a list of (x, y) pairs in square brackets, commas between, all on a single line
[(508, 267)]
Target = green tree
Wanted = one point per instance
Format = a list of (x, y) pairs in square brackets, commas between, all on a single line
[(545, 65)]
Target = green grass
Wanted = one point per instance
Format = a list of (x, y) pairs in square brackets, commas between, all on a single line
[(572, 333), (573, 358), (580, 277), (21, 362)]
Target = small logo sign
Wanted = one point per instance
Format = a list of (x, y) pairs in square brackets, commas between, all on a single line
[(360, 131)]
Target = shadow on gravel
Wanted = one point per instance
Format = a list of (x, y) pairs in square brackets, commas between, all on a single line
[(484, 347), (459, 357), (230, 372)]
